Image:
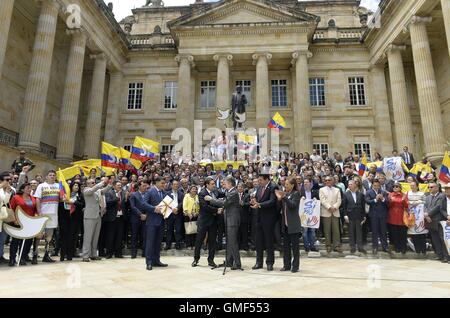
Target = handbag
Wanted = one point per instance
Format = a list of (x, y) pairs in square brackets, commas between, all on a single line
[(190, 227), (409, 219)]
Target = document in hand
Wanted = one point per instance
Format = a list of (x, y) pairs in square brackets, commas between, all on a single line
[(168, 204)]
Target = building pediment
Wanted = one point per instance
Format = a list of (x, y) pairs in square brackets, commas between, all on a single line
[(232, 12)]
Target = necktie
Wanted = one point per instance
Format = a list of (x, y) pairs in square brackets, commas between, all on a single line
[(261, 193)]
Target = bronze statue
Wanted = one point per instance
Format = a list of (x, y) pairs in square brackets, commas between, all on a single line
[(238, 104)]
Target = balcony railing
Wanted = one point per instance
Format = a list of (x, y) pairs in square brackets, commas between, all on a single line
[(8, 137), (48, 150), (336, 34), (142, 40)]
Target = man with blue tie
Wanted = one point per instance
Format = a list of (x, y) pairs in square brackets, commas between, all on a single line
[(154, 223), (377, 199), (138, 217)]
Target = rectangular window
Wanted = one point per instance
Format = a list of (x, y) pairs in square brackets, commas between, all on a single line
[(207, 94), (361, 148), (170, 94), (317, 91), (246, 90), (279, 93), (357, 91), (166, 148), (135, 95), (321, 148)]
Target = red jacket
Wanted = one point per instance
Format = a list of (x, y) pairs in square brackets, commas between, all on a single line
[(18, 200), (398, 203)]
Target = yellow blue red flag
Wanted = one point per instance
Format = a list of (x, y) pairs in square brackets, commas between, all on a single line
[(110, 155), (444, 175), (144, 149), (277, 122), (362, 165)]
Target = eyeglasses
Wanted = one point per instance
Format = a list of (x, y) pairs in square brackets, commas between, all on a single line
[(431, 187)]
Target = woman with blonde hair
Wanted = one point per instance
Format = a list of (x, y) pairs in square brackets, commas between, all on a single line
[(191, 209)]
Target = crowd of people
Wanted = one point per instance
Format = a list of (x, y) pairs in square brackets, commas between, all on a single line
[(252, 207)]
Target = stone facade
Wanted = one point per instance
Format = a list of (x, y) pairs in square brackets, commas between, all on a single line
[(63, 89)]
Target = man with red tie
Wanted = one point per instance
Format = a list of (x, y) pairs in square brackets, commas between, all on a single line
[(265, 203)]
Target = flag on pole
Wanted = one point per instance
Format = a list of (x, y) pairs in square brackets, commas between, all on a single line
[(144, 149), (110, 155), (362, 165), (277, 122), (444, 175)]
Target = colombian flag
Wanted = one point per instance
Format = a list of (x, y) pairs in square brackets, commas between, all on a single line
[(70, 172), (63, 186), (110, 155), (126, 163), (444, 175), (363, 165), (277, 122), (421, 167), (144, 149)]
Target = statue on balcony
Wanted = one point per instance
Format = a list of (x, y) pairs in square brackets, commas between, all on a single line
[(154, 3), (238, 105)]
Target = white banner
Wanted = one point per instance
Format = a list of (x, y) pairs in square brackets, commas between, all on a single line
[(419, 215), (393, 169), (446, 235), (309, 212)]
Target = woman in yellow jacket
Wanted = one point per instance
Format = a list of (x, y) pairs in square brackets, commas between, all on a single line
[(191, 209)]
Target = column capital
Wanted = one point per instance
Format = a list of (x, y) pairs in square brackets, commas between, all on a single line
[(393, 48), (78, 32), (57, 4), (299, 53), (185, 57), (416, 20), (227, 56), (267, 56)]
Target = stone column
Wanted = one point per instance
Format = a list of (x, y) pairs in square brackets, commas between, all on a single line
[(6, 10), (430, 108), (383, 128), (71, 96), (302, 109), (402, 116), (223, 83), (39, 76), (95, 107), (113, 111), (185, 109), (262, 100), (445, 4)]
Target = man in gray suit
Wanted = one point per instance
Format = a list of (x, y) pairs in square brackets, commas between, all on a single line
[(435, 212), (92, 217), (232, 208)]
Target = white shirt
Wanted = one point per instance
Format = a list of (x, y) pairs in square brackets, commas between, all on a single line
[(175, 198), (353, 195), (119, 213), (308, 194)]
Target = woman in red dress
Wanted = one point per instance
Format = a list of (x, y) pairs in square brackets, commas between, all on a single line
[(398, 203), (27, 203)]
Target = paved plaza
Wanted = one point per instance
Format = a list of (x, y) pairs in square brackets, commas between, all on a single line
[(318, 277)]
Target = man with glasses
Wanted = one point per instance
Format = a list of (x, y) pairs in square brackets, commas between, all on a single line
[(435, 212), (330, 199)]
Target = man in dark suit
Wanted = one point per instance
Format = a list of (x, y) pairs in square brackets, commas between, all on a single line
[(355, 215), (176, 219), (232, 208), (206, 223), (386, 185), (377, 199), (309, 235), (265, 202), (244, 201), (138, 217), (154, 223), (435, 212), (407, 157), (114, 219)]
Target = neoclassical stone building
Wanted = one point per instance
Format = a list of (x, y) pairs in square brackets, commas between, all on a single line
[(343, 79)]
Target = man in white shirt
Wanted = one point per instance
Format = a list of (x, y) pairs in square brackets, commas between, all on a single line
[(48, 196)]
